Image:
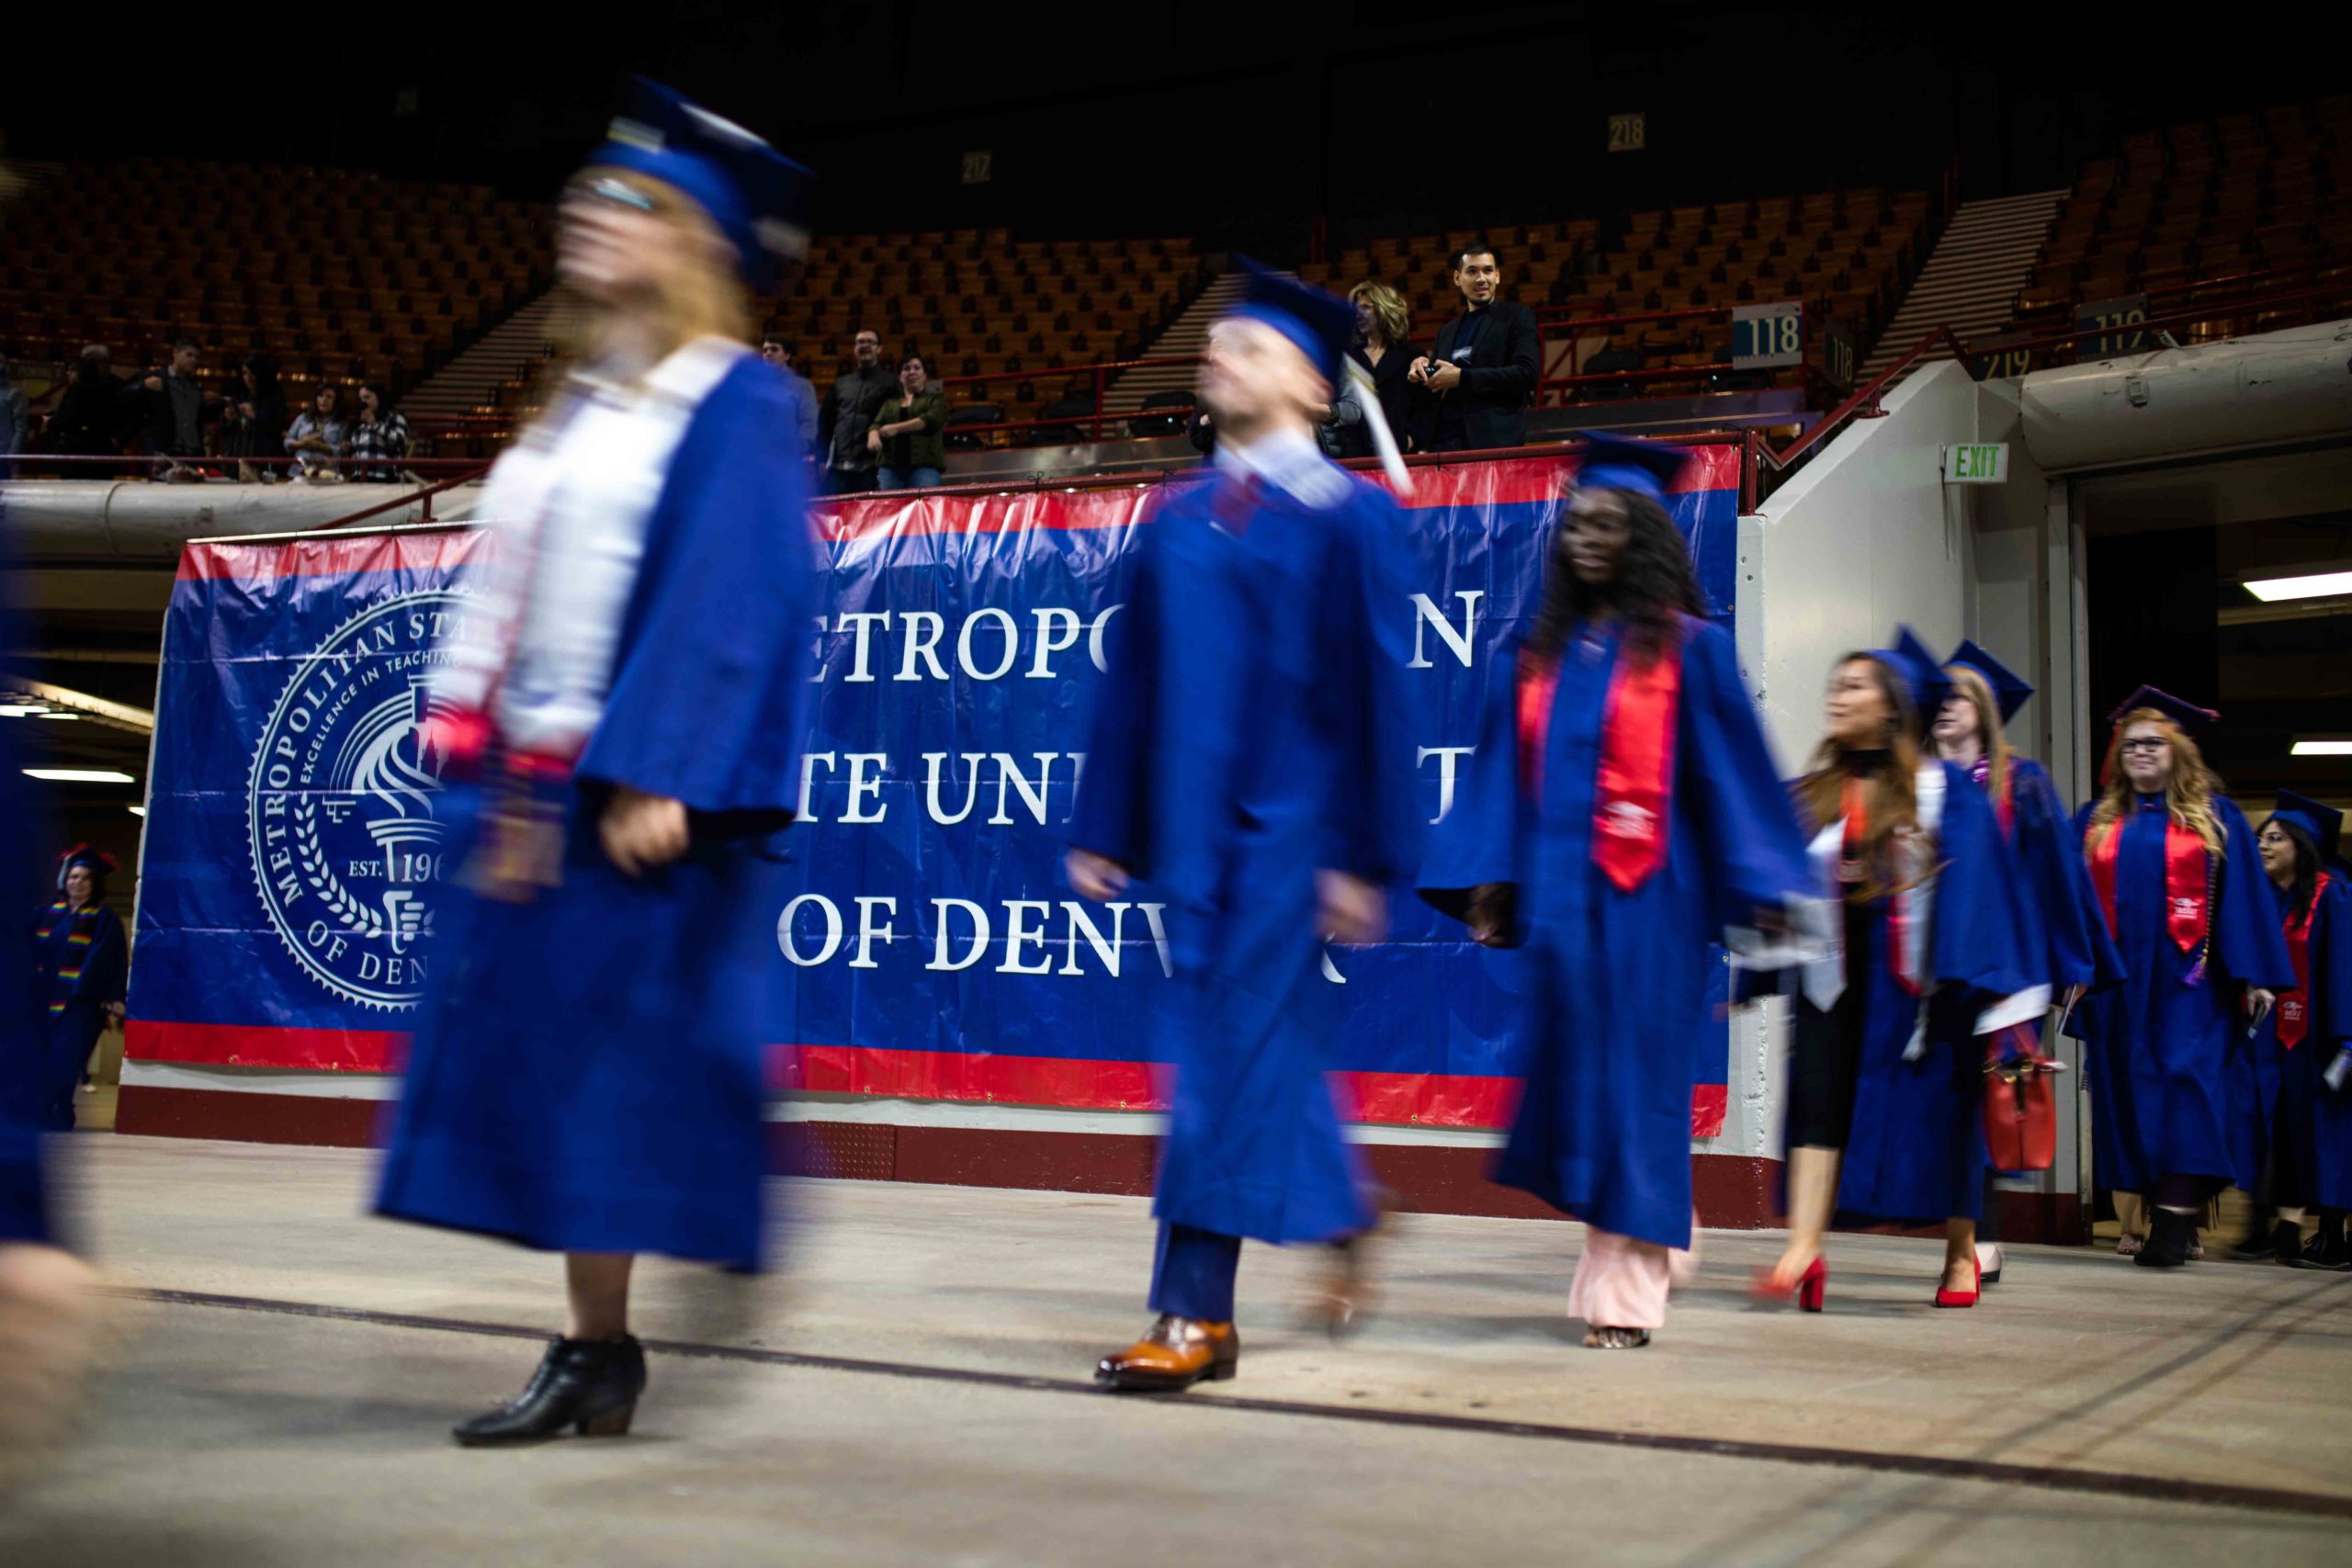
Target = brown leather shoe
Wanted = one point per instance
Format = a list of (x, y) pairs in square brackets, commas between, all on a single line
[(1175, 1353)]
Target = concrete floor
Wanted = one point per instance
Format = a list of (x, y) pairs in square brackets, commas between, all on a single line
[(234, 1435)]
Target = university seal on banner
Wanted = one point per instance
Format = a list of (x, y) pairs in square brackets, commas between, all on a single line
[(347, 854)]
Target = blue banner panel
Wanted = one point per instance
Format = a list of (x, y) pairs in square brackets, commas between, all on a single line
[(928, 945)]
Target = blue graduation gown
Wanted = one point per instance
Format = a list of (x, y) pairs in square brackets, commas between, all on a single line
[(1251, 731), (71, 1032), (1916, 1148), (2065, 927), (2161, 1051), (1617, 984), (586, 1073), (2315, 1121)]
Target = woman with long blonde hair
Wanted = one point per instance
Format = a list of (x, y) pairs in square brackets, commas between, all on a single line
[(620, 731), (2182, 891), (1886, 1064), (2064, 940), (1384, 348)]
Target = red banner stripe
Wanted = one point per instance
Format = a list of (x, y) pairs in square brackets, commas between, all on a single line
[(259, 1045), (1435, 1100), (328, 556)]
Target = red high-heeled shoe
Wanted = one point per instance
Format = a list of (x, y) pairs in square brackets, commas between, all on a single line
[(1811, 1288), (1966, 1298)]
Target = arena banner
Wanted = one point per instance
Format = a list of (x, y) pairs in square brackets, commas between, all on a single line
[(927, 944)]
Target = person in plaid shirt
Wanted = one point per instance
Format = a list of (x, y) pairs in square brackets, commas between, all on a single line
[(380, 438)]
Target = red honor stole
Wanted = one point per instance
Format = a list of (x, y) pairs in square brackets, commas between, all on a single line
[(1636, 767), (2005, 807), (1631, 792), (2186, 880), (2295, 1006)]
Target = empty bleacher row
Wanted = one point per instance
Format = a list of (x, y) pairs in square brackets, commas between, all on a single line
[(338, 273), (974, 303), (2243, 201), (978, 303)]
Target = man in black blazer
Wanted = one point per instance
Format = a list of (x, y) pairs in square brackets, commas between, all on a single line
[(1486, 364)]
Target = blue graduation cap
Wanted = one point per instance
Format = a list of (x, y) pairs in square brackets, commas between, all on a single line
[(757, 197), (1644, 468), (2188, 716), (1321, 324), (1920, 671), (2009, 689), (2322, 824)]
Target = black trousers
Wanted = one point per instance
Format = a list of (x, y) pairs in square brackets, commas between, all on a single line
[(1825, 1057)]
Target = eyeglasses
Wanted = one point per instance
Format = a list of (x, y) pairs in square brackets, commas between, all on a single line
[(612, 192), (2144, 747)]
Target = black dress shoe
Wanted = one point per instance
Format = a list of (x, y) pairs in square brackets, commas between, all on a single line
[(588, 1384)]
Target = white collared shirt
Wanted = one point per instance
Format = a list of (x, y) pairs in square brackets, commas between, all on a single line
[(1289, 461)]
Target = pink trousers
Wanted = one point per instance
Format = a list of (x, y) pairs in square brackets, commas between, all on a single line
[(1623, 1284)]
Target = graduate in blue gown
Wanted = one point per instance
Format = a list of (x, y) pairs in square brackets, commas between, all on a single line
[(81, 971), (587, 1074), (2063, 930), (1251, 760), (1886, 1064), (2180, 885), (2308, 1035), (1620, 814)]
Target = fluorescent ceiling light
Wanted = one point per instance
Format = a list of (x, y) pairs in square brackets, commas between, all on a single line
[(79, 776), (21, 710), (2319, 748), (137, 811), (57, 715), (2309, 585)]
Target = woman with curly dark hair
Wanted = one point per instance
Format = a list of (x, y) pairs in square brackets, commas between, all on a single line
[(1620, 812)]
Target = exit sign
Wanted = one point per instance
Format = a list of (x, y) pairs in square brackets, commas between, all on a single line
[(1985, 463)]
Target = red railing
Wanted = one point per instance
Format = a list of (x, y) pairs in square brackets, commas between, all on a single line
[(1097, 379), (424, 496), (2243, 310), (1559, 321)]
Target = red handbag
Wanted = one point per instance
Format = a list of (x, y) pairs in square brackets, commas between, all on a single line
[(2020, 1109)]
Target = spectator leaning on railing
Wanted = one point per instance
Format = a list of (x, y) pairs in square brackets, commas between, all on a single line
[(1486, 364), (848, 414), (89, 418), (319, 436), (168, 403), (909, 433), (380, 438), (779, 353), (253, 423), (12, 417)]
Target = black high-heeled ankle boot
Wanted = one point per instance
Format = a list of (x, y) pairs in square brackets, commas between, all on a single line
[(2170, 1236), (591, 1385)]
